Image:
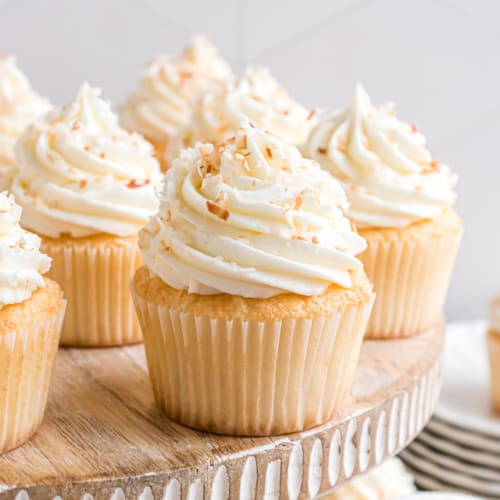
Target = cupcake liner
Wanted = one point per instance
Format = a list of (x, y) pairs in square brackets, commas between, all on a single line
[(494, 355), (26, 361), (249, 377), (95, 277), (410, 279)]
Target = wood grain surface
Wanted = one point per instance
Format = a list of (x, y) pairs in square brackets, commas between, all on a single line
[(103, 435)]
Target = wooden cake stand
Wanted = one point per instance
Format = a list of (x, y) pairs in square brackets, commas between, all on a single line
[(104, 438)]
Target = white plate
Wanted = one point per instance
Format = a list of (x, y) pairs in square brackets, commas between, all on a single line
[(457, 480), (456, 449), (453, 464), (465, 399), (438, 496), (465, 437), (429, 483)]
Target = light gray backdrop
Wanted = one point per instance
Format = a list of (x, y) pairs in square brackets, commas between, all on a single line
[(438, 59)]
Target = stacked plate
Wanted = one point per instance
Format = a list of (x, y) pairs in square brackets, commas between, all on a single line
[(459, 451)]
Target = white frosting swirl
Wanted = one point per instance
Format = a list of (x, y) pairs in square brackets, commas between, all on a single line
[(21, 262), (251, 217), (388, 173), (257, 95), (81, 174), (161, 105), (19, 105), (388, 480)]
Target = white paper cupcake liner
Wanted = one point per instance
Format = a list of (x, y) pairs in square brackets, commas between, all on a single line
[(95, 280), (26, 361), (410, 279), (246, 377)]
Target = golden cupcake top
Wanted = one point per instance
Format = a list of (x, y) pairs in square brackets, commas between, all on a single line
[(389, 175), (19, 105), (251, 217), (257, 95), (161, 104), (81, 174), (22, 264)]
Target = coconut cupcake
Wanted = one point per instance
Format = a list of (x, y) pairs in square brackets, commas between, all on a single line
[(257, 95), (31, 314), (494, 352), (386, 481), (87, 187), (401, 201), (161, 105), (251, 294), (19, 106)]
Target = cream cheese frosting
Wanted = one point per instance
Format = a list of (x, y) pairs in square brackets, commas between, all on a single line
[(250, 217), (81, 174), (19, 105), (162, 103), (387, 481), (21, 262), (257, 95), (389, 175)]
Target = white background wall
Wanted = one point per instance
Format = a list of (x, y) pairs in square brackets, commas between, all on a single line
[(438, 59)]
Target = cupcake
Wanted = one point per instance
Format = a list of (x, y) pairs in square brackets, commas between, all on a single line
[(87, 187), (19, 106), (252, 303), (494, 352), (256, 94), (401, 201), (387, 481), (31, 314), (161, 105)]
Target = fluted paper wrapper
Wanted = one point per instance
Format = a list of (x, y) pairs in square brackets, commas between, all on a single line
[(494, 355), (410, 279), (26, 361), (245, 377), (95, 281)]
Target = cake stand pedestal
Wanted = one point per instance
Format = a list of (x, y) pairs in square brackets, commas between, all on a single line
[(104, 438)]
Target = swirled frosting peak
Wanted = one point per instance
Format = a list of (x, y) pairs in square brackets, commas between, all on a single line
[(161, 105), (19, 105), (81, 174), (257, 95), (250, 217), (389, 175), (21, 262)]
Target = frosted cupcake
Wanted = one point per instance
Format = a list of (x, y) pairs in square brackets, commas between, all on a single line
[(162, 103), (252, 303), (387, 481), (257, 95), (31, 314), (19, 106), (401, 201), (494, 352), (87, 187)]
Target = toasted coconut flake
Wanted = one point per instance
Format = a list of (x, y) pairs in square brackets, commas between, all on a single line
[(134, 183), (269, 152), (83, 183), (102, 155), (298, 203), (413, 128), (311, 114), (315, 240), (217, 210), (322, 151), (87, 148)]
